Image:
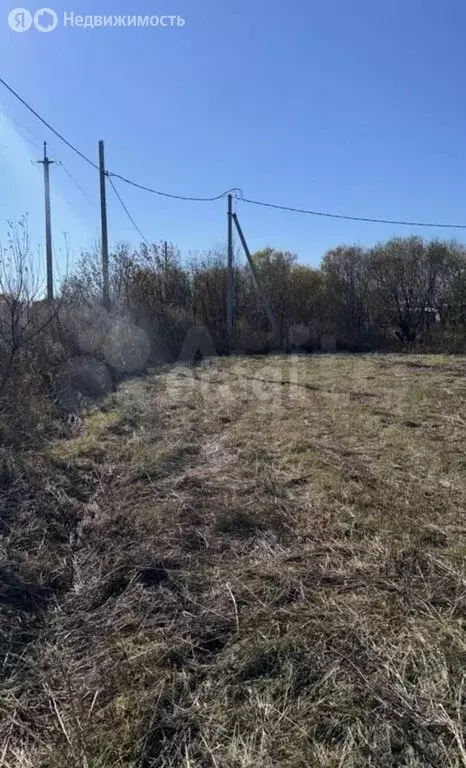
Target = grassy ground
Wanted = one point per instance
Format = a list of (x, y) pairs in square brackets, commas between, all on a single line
[(255, 562)]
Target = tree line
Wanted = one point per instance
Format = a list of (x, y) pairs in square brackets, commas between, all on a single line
[(404, 294), (407, 293)]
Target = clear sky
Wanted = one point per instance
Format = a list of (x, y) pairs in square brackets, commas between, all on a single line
[(349, 106)]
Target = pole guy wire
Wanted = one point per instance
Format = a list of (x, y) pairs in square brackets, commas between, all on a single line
[(127, 211)]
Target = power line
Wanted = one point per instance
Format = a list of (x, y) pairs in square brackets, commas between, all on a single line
[(59, 163), (127, 212), (33, 143), (115, 175), (36, 114), (352, 218), (167, 194), (229, 191), (78, 186)]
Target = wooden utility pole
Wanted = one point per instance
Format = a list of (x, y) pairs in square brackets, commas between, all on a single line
[(103, 216), (230, 286), (48, 223)]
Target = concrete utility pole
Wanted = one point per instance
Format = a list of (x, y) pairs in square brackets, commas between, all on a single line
[(48, 223), (103, 216), (230, 286)]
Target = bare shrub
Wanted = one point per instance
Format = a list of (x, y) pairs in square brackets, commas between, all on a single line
[(27, 336), (80, 381)]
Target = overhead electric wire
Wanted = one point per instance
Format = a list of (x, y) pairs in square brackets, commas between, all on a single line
[(59, 163), (36, 114), (274, 206), (33, 143), (167, 194), (77, 185), (352, 218), (128, 213), (94, 165)]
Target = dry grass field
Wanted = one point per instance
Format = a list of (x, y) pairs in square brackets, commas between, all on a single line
[(248, 563)]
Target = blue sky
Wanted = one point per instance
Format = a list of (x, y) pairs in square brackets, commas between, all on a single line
[(354, 107)]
